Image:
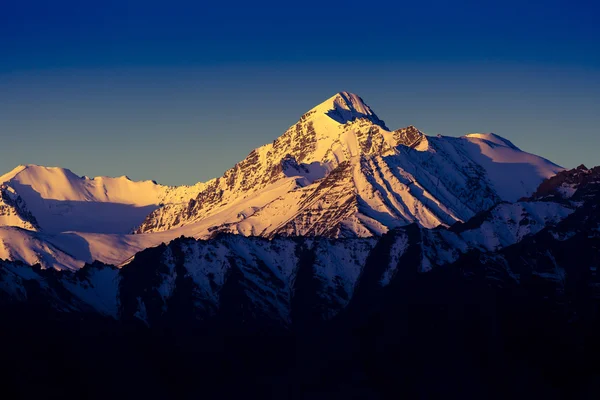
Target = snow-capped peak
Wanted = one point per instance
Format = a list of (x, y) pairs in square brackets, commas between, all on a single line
[(14, 172), (345, 107), (492, 138), (339, 171)]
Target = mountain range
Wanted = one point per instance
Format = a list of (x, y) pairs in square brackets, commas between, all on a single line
[(374, 255), (339, 172)]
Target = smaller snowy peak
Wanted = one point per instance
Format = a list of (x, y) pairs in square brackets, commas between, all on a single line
[(62, 184), (10, 175), (56, 200), (345, 107), (31, 172), (492, 138), (41, 171), (118, 178)]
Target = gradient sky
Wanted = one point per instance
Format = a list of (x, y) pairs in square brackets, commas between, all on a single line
[(180, 91)]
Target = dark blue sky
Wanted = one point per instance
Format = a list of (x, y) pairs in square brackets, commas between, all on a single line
[(180, 91)]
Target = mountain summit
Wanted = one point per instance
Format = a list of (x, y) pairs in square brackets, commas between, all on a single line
[(346, 107)]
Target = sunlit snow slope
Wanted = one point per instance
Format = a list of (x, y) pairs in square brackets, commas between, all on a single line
[(62, 201)]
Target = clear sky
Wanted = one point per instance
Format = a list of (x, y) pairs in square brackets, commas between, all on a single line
[(180, 91)]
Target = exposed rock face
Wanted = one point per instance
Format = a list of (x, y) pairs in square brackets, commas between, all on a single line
[(409, 137), (13, 210), (565, 184)]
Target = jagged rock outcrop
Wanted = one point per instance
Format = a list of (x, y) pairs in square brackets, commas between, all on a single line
[(14, 211), (566, 184)]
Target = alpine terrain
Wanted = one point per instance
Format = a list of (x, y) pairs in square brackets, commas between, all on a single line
[(339, 172), (343, 260)]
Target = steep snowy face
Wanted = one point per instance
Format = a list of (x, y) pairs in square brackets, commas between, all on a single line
[(340, 172), (56, 200), (14, 211)]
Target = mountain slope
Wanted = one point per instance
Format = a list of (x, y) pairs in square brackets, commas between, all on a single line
[(31, 247), (500, 226), (268, 279), (340, 172)]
